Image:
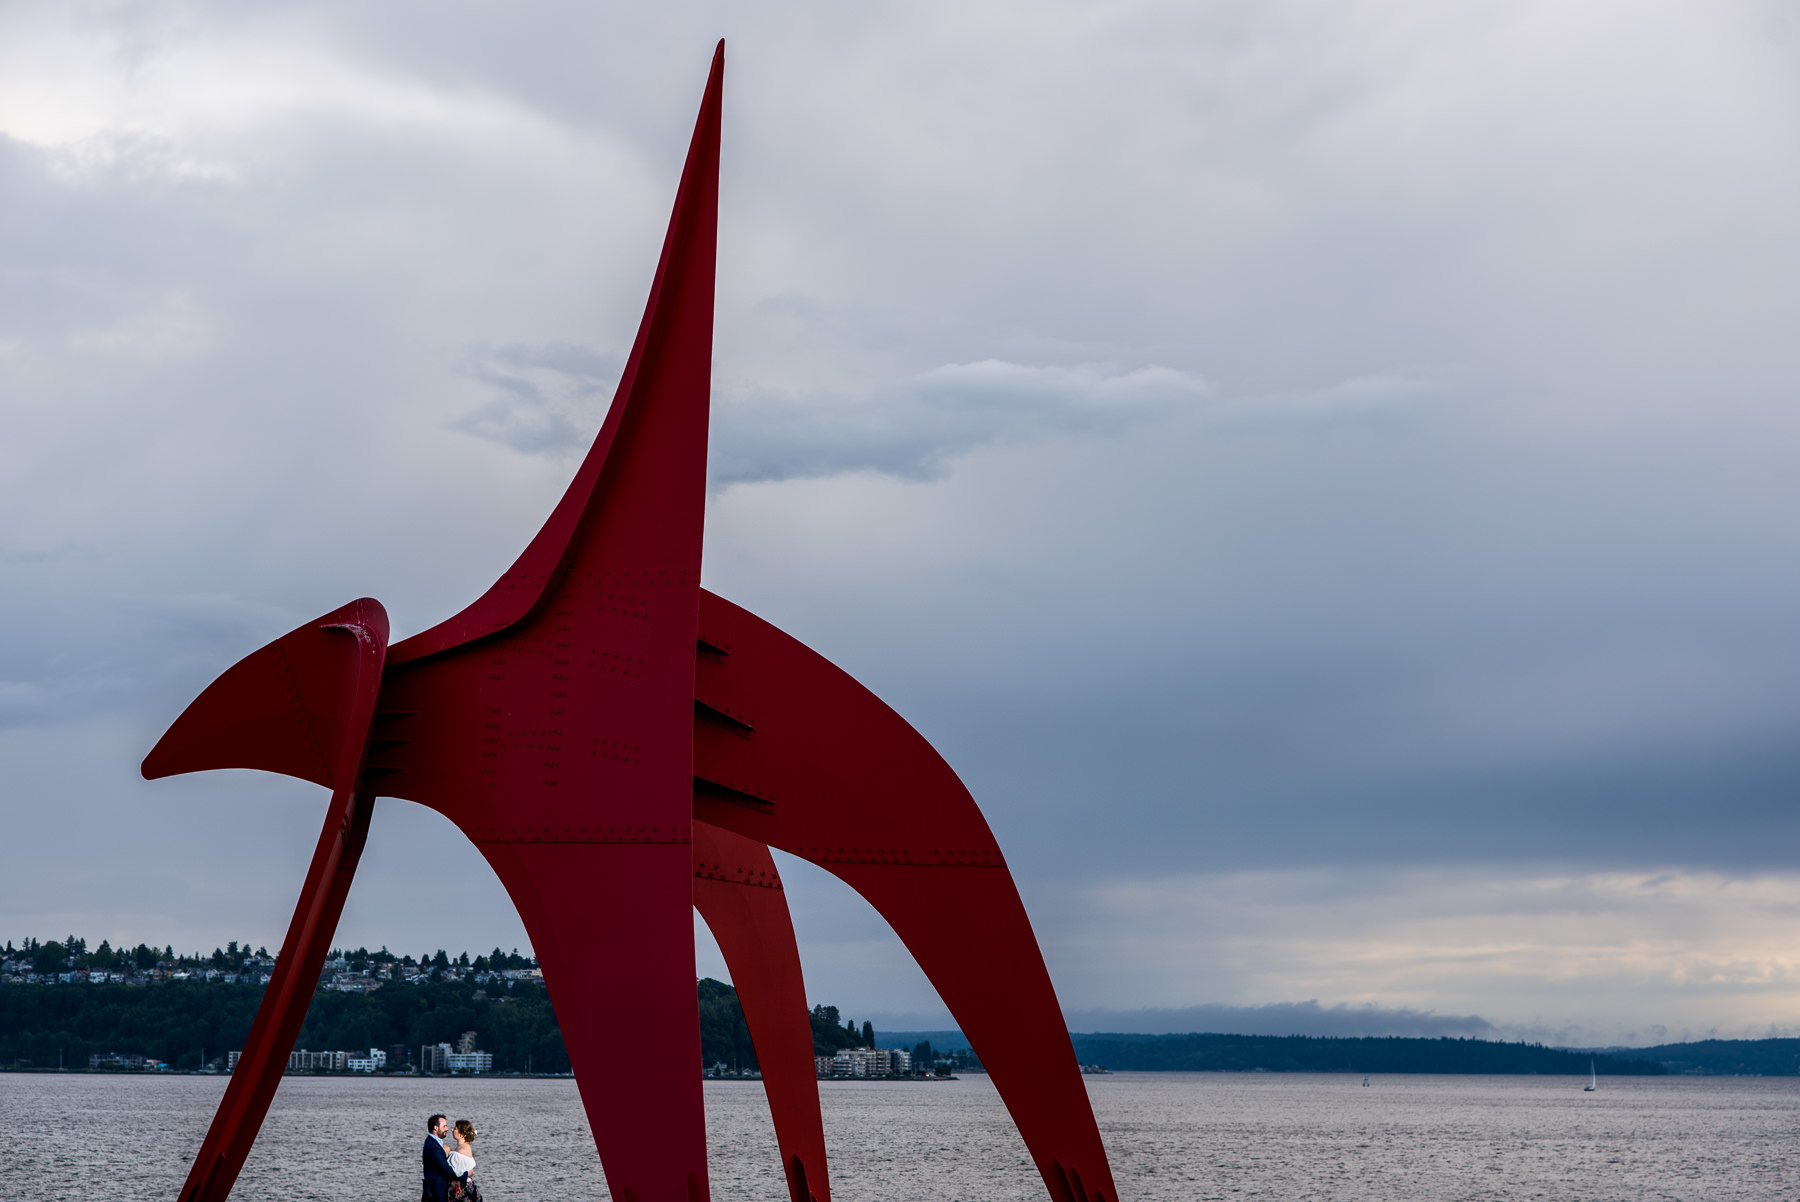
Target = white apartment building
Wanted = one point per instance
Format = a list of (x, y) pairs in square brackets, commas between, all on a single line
[(304, 1061), (439, 1058), (367, 1064), (871, 1062), (469, 1062)]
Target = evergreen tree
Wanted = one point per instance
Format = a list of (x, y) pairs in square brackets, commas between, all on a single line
[(868, 1035), (828, 1036), (49, 957)]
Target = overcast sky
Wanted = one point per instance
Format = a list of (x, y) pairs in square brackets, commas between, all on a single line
[(1324, 474)]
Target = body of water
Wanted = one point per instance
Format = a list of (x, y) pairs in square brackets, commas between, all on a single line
[(1173, 1137)]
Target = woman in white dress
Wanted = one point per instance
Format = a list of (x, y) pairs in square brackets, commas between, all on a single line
[(462, 1163)]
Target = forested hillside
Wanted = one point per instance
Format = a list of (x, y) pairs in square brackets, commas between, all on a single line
[(176, 1021)]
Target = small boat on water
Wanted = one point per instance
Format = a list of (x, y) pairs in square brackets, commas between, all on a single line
[(1593, 1078)]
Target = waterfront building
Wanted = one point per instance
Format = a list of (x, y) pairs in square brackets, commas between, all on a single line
[(470, 1062), (367, 1064), (303, 1061), (441, 1058), (868, 1062), (116, 1061)]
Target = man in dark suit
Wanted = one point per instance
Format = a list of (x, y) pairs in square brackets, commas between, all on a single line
[(438, 1174)]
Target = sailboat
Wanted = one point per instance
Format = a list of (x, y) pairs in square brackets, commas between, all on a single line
[(1593, 1078)]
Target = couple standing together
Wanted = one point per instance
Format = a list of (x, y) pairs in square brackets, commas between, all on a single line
[(449, 1159)]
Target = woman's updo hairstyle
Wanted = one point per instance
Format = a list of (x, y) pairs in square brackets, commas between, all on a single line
[(466, 1129)]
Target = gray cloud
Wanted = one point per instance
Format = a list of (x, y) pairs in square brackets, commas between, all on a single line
[(913, 429), (550, 399)]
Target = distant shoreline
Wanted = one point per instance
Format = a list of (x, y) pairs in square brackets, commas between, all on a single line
[(1370, 1055), (63, 1027), (8, 1070), (33, 1070)]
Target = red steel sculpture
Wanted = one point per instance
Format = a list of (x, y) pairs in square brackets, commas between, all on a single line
[(621, 745)]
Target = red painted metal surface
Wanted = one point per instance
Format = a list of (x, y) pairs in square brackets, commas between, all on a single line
[(738, 892), (622, 746)]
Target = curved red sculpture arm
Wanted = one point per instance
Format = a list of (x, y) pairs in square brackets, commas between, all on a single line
[(302, 705), (739, 894), (297, 706), (792, 752)]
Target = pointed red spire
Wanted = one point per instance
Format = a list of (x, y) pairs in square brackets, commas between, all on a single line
[(669, 371)]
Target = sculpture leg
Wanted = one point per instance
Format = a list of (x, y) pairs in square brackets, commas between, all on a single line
[(613, 928), (265, 1055), (968, 930), (793, 753), (739, 894)]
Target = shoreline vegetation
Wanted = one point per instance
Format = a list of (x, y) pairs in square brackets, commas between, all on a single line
[(61, 1005), (193, 1026), (66, 1008)]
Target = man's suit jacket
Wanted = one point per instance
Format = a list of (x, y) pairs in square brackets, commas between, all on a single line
[(438, 1173)]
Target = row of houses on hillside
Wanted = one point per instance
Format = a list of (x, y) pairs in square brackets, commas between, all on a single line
[(250, 975)]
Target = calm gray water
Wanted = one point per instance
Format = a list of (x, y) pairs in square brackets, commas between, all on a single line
[(1172, 1136)]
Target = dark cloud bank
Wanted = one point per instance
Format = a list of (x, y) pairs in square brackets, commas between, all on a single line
[(1283, 1018)]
